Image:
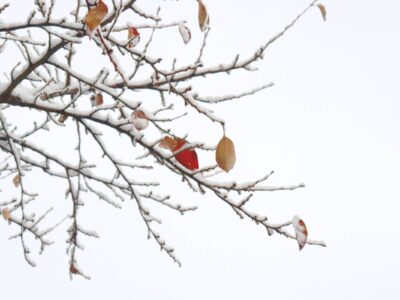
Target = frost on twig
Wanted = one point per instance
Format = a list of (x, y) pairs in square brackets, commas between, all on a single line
[(96, 110)]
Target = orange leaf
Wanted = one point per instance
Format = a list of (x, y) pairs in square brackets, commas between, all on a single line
[(168, 143), (133, 37), (301, 231), (204, 19), (95, 16), (225, 154), (17, 180), (322, 10), (6, 214)]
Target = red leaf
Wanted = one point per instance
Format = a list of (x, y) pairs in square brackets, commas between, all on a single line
[(132, 32), (188, 157)]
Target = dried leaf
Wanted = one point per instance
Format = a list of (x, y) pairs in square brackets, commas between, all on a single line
[(139, 119), (322, 10), (17, 180), (132, 32), (95, 16), (44, 96), (133, 37), (187, 158), (74, 270), (168, 143), (225, 154), (6, 214), (204, 19), (62, 118), (97, 99), (185, 33), (301, 231)]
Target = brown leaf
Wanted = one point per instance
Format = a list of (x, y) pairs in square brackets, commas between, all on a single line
[(44, 96), (6, 214), (168, 143), (225, 154), (301, 231), (74, 270), (17, 180), (62, 118), (95, 16), (204, 19), (139, 119), (322, 10), (99, 99)]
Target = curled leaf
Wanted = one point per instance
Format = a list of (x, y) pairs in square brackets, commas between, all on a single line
[(185, 33), (133, 36), (204, 19), (44, 96), (62, 118), (74, 270), (97, 100), (225, 154), (187, 158), (168, 143), (139, 119), (6, 214), (17, 180), (95, 16), (301, 231), (322, 9)]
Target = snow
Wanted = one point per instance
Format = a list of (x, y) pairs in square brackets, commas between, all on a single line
[(185, 33)]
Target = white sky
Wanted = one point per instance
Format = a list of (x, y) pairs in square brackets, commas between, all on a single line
[(331, 121)]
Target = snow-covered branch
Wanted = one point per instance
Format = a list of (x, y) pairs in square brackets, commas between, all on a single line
[(102, 114)]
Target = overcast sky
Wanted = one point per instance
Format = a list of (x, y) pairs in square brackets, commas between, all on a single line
[(331, 121)]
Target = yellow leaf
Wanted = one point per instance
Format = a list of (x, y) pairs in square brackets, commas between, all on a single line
[(17, 180), (204, 19), (95, 16), (322, 10), (225, 154), (6, 214)]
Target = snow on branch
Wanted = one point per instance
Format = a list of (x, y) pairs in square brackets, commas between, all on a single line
[(102, 111)]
